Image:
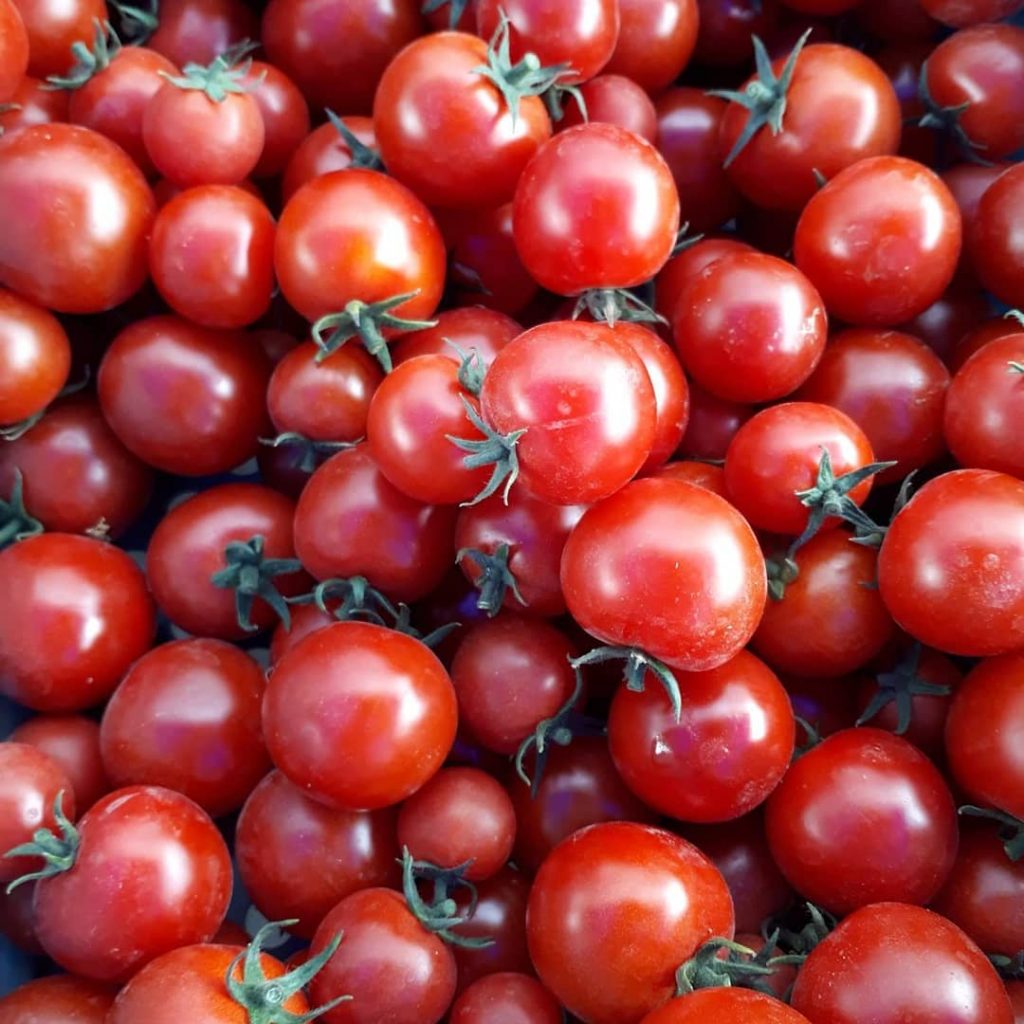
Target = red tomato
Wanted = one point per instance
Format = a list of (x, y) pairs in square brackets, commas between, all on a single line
[(614, 910), (506, 998), (655, 43), (285, 116), (725, 29), (724, 1006), (702, 474), (995, 248), (13, 49), (614, 99), (712, 425), (32, 103), (960, 13), (979, 336), (52, 28), (969, 182), (326, 149), (197, 31), (59, 999), (472, 328)]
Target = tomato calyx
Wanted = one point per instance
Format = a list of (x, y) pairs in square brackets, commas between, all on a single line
[(812, 737), (263, 998), (765, 96), (684, 240), (362, 155), (222, 77), (1015, 367), (441, 914), (947, 120), (347, 599), (637, 664), (901, 685), (494, 580), (137, 23), (471, 371), (456, 8), (89, 62), (16, 522), (610, 305), (365, 320), (1011, 829), (801, 941), (493, 449), (1010, 968), (251, 576), (59, 853), (782, 570), (403, 624), (709, 968)]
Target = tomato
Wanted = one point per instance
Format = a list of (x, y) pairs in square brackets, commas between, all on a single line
[(667, 567), (73, 741), (196, 542), (655, 43), (74, 614), (350, 521), (688, 264), (614, 99), (32, 103), (506, 998), (209, 412), (960, 13), (1015, 990), (879, 263), (299, 858), (995, 248), (55, 175), (926, 968), (211, 255), (471, 328), (894, 389), (712, 425), (979, 336), (723, 1006), (113, 910), (327, 149), (982, 732), (861, 818), (391, 966), (840, 108), (391, 723), (614, 910), (52, 28), (285, 116), (581, 170), (337, 54), (724, 754), (197, 31), (951, 567), (59, 999), (725, 29), (13, 49), (702, 474)]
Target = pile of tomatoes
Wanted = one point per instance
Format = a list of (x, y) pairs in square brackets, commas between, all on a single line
[(512, 512)]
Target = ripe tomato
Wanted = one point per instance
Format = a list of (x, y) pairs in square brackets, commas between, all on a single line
[(978, 337), (724, 1006), (506, 998), (960, 13), (725, 29), (655, 43), (614, 910), (52, 28), (712, 425), (74, 614), (32, 103), (13, 49), (58, 999), (477, 329), (614, 99), (326, 149), (861, 818), (285, 116), (197, 31), (995, 248), (951, 567)]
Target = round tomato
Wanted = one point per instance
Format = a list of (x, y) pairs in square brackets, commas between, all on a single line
[(53, 28), (13, 49), (478, 329), (58, 999), (197, 31), (960, 13), (724, 1006), (995, 246), (284, 113), (613, 99), (340, 143), (655, 43)]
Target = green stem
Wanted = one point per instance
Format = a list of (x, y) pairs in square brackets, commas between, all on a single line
[(59, 853)]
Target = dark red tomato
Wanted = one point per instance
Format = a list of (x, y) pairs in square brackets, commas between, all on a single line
[(53, 27), (506, 998), (461, 815), (197, 31), (725, 28), (861, 818), (59, 999), (151, 873), (614, 99), (470, 328), (750, 327), (189, 983), (298, 858), (586, 403), (73, 741), (211, 255), (667, 567), (74, 614), (983, 734), (894, 389), (188, 548), (13, 50), (902, 62), (35, 358), (688, 127), (336, 54), (285, 116), (960, 13), (702, 474), (324, 150), (30, 782), (187, 716), (614, 910), (831, 619), (995, 248), (840, 108), (876, 263), (32, 103), (580, 33), (947, 319), (969, 182), (727, 751), (55, 175), (209, 410), (579, 786), (391, 966), (723, 1006), (827, 705), (925, 969), (979, 336), (358, 234), (359, 716), (446, 130), (777, 453), (351, 522), (656, 41), (712, 425), (951, 568), (604, 195), (305, 619), (898, 20)]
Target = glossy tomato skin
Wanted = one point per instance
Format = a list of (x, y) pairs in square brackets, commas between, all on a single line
[(472, 328), (209, 413), (961, 13), (712, 425), (299, 858), (614, 909), (583, 169), (995, 249), (350, 521), (840, 108), (978, 337), (187, 549), (196, 31), (323, 150), (877, 264), (586, 403), (655, 41), (446, 131), (285, 116), (614, 99), (56, 176), (730, 747), (74, 614), (35, 358), (32, 104), (13, 49), (506, 998), (951, 567), (392, 718), (897, 962), (723, 39), (625, 556), (393, 968), (187, 716), (58, 999), (723, 1006), (152, 873), (52, 28), (861, 818)]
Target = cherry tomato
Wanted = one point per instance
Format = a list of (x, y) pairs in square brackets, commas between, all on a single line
[(506, 998), (477, 329), (978, 337), (53, 27), (702, 474), (960, 13), (58, 999), (947, 319), (712, 425), (13, 49), (969, 182), (614, 99), (197, 31), (723, 1006), (655, 43), (324, 150), (33, 103), (995, 248), (725, 29), (285, 116)]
